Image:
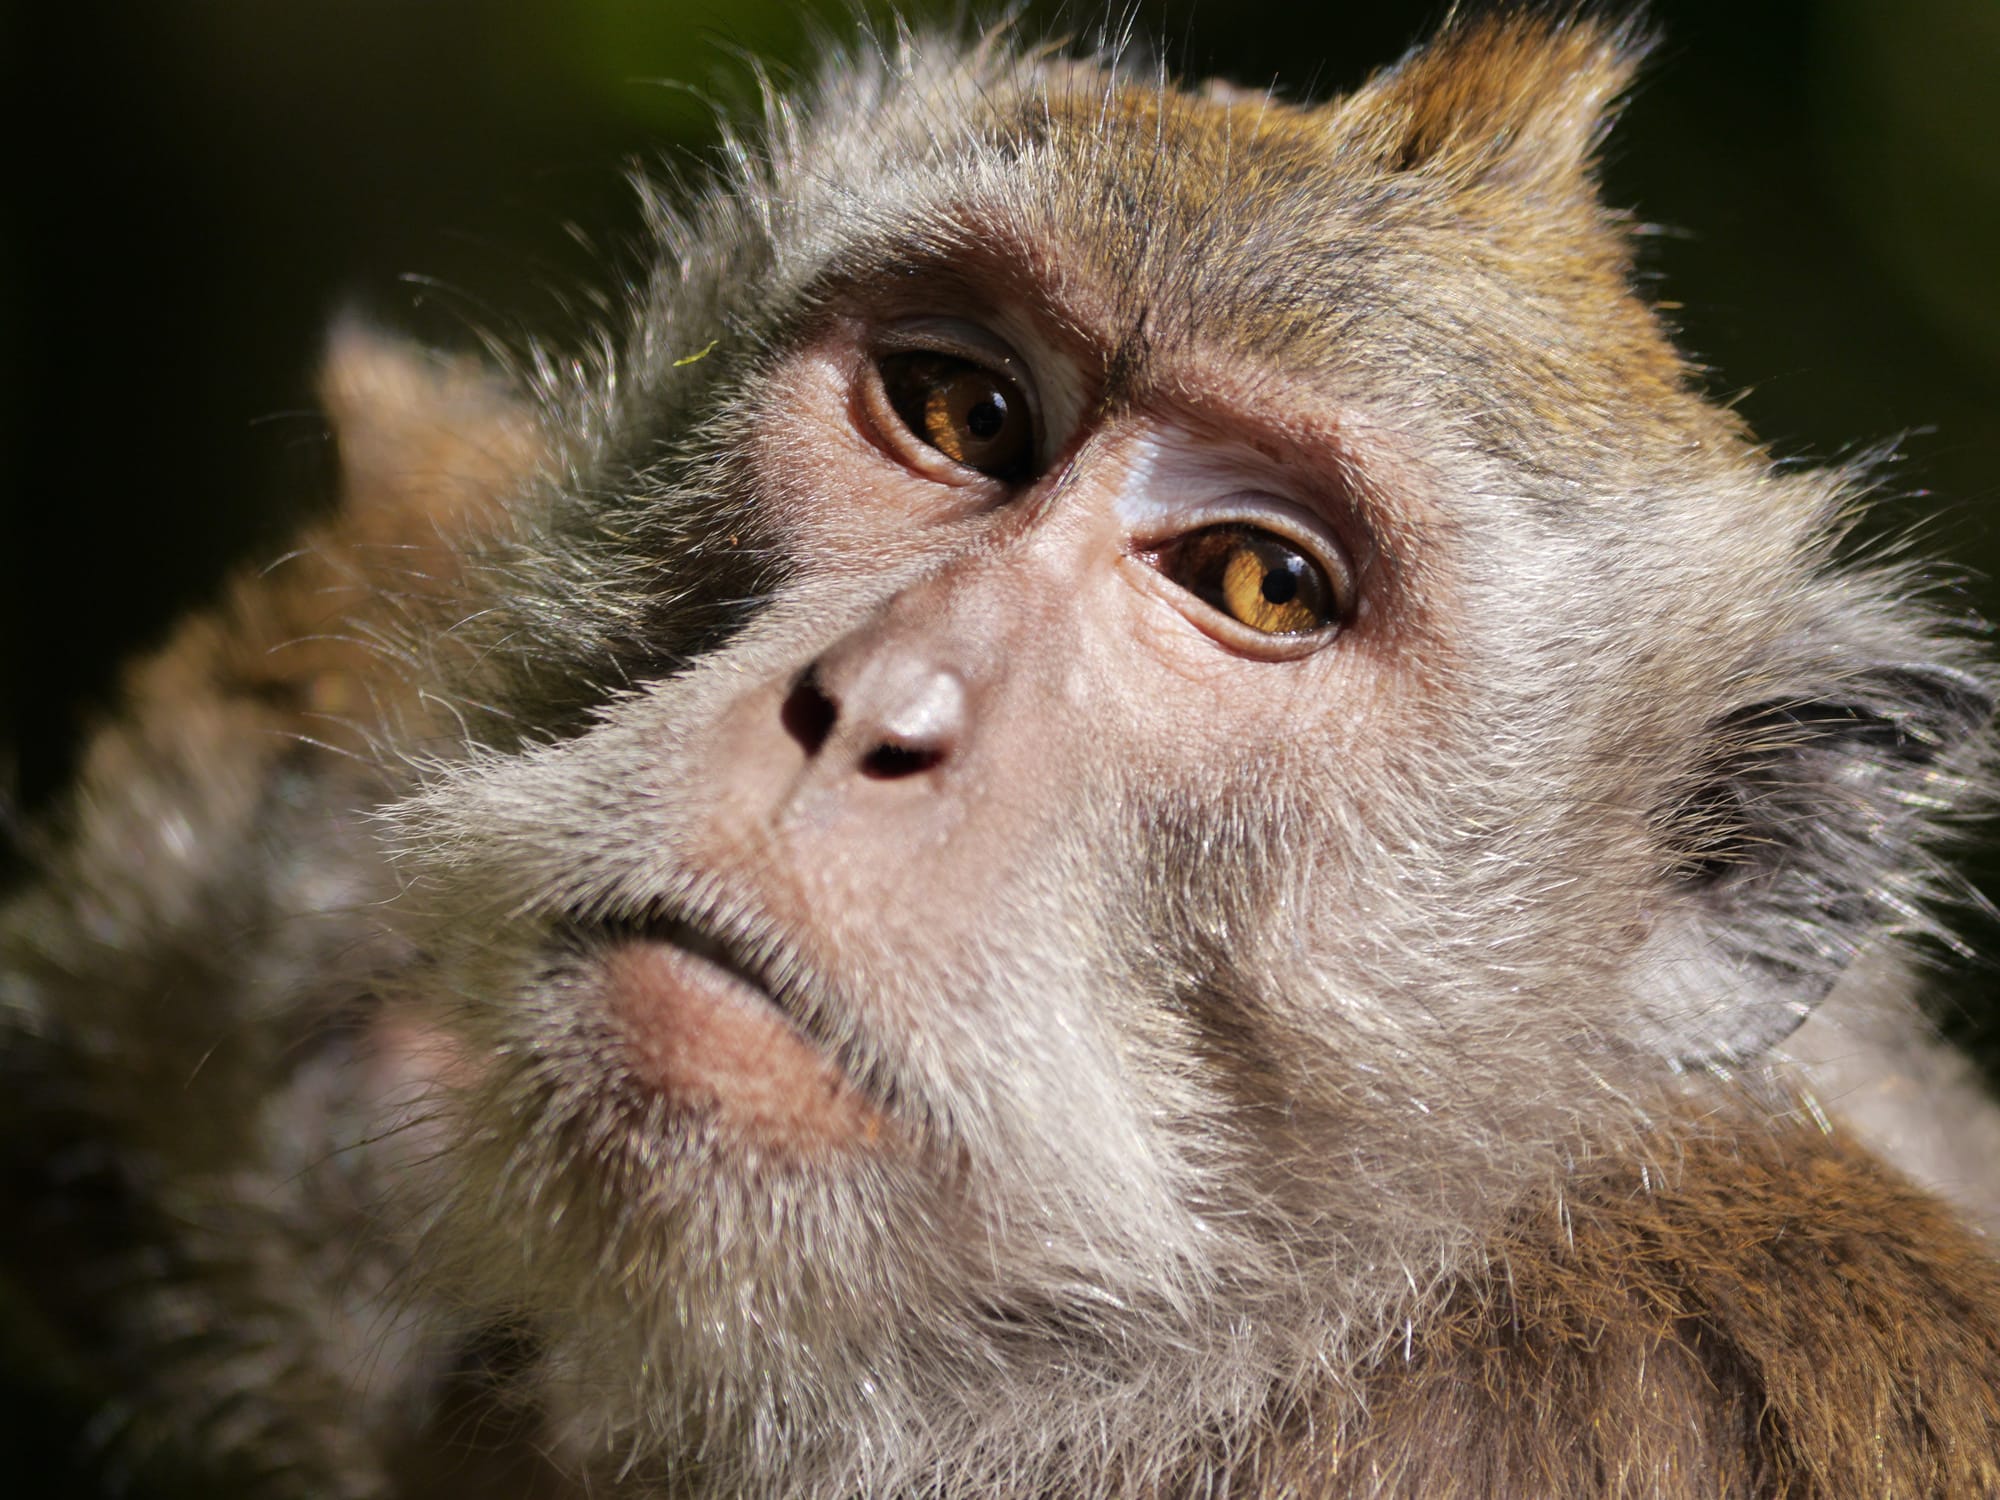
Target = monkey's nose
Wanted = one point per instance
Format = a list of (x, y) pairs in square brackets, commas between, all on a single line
[(887, 717)]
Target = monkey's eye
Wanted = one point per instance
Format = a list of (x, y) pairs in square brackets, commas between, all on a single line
[(964, 410), (1256, 577)]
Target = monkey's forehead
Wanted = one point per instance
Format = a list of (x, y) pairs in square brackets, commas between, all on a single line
[(1284, 224), (1356, 240)]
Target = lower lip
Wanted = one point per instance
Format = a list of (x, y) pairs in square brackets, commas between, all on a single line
[(710, 1042)]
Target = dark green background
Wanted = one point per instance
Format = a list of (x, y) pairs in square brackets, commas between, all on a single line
[(200, 185)]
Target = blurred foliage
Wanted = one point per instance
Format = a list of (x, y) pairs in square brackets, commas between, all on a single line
[(1911, 141)]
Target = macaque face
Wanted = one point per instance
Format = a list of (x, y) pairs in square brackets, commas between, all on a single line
[(876, 888), (933, 935), (997, 898), (1021, 634)]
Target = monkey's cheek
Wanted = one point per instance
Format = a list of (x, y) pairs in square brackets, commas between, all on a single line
[(714, 1045)]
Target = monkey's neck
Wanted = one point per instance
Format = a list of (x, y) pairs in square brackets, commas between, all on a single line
[(1777, 1313)]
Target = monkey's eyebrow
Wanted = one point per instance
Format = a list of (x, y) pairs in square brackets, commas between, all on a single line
[(974, 265), (977, 259)]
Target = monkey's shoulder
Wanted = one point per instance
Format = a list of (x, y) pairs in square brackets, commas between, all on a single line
[(1772, 1314)]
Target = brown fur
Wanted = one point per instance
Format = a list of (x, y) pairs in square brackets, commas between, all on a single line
[(1773, 1315)]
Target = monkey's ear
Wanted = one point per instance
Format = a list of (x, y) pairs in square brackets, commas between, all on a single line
[(1801, 839), (430, 445), (1509, 97)]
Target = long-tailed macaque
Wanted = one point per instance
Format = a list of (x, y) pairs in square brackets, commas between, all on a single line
[(1137, 800)]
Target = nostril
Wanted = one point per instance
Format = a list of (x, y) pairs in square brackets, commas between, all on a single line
[(887, 762), (885, 717), (808, 713)]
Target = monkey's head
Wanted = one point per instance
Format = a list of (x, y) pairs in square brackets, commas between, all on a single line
[(1122, 714)]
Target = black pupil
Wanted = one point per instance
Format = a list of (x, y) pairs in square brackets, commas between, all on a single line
[(1281, 584), (987, 418)]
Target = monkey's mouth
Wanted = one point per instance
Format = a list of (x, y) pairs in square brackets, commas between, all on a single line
[(727, 952), (715, 1018)]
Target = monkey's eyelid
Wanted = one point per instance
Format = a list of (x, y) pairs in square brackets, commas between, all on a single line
[(962, 339), (1300, 527), (909, 396), (975, 342), (1203, 564)]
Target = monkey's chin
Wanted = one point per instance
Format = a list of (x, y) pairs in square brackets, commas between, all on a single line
[(715, 1044)]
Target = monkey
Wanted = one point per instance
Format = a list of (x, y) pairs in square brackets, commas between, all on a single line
[(1134, 798)]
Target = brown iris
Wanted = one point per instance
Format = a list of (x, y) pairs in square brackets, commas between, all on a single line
[(1255, 577), (964, 410)]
